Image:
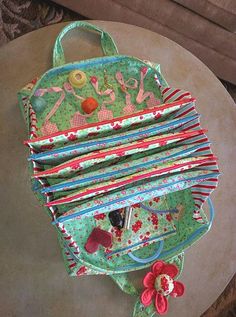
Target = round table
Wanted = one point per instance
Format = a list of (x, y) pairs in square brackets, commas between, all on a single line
[(33, 279)]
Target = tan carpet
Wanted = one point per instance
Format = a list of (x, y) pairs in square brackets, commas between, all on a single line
[(18, 17)]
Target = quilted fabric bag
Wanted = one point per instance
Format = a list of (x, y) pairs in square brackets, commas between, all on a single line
[(120, 162)]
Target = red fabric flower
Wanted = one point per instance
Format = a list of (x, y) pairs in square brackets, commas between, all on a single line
[(118, 232), (156, 199), (117, 127), (159, 283), (100, 216), (75, 166), (46, 147), (157, 116), (136, 206), (72, 137), (136, 226), (154, 218), (168, 217)]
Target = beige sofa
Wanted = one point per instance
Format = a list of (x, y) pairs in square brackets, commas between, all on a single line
[(204, 27)]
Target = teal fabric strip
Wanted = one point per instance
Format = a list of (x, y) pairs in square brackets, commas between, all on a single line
[(107, 42), (177, 182), (108, 172), (67, 152), (149, 259)]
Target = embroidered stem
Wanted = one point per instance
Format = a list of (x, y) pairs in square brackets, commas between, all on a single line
[(152, 101), (107, 92), (129, 108), (68, 88), (104, 113)]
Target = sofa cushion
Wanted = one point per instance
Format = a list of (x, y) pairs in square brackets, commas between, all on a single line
[(186, 22), (156, 17), (218, 11)]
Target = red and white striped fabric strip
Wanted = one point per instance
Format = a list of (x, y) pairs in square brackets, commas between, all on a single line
[(69, 240), (188, 110), (157, 80), (200, 194), (195, 126), (71, 263), (197, 216), (172, 94), (191, 125), (33, 122), (202, 138), (203, 151), (203, 190)]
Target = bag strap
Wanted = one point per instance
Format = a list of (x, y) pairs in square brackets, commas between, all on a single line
[(151, 258), (107, 43), (157, 253)]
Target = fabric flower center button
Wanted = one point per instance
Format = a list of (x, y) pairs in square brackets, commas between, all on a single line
[(164, 284)]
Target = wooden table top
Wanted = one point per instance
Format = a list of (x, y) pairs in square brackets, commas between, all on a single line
[(33, 279)]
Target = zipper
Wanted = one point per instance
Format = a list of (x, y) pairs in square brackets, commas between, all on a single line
[(144, 144), (114, 139), (88, 210), (128, 181), (118, 119), (110, 174)]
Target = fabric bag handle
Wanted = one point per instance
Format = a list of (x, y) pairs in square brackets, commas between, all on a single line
[(158, 252), (107, 43), (149, 259)]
